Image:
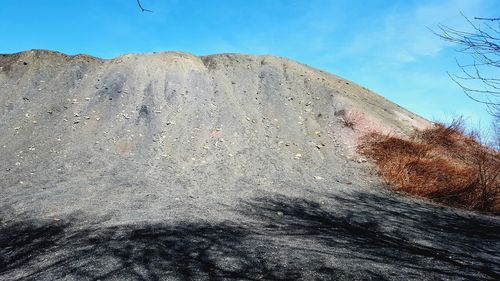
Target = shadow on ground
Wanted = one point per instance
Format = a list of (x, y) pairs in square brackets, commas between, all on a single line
[(358, 236)]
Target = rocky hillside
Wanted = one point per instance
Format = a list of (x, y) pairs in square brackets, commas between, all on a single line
[(202, 128), (173, 158)]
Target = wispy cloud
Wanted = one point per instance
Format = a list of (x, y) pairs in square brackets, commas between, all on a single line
[(403, 35)]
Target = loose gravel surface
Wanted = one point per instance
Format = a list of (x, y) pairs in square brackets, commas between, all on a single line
[(168, 166)]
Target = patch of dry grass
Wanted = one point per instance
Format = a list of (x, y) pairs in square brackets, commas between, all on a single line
[(350, 118), (442, 163)]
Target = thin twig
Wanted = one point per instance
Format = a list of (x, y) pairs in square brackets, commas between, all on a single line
[(142, 9), (490, 19)]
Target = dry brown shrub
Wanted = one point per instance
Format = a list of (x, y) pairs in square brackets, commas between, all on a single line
[(377, 146), (443, 135), (442, 163)]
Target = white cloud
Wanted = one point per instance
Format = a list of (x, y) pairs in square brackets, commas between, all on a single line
[(403, 35)]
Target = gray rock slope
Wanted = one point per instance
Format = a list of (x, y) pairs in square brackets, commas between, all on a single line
[(168, 166)]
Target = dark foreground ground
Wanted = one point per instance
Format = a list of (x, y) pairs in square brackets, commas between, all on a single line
[(356, 236)]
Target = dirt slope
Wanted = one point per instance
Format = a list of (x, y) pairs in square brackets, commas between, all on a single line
[(177, 167)]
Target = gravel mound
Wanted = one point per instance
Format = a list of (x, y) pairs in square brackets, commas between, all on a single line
[(168, 166)]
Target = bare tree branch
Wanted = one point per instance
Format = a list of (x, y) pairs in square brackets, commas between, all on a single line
[(482, 43), (142, 9), (490, 19)]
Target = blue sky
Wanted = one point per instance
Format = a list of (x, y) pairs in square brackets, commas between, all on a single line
[(383, 45)]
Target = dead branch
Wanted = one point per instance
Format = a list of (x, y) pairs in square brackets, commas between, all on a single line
[(142, 9), (482, 43)]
